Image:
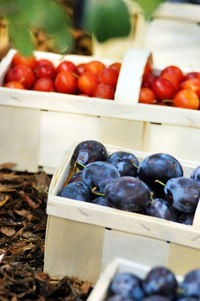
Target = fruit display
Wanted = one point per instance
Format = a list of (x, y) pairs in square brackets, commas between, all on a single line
[(92, 79), (171, 87), (155, 186)]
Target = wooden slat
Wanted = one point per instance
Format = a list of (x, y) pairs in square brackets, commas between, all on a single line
[(19, 132), (183, 259), (73, 249), (131, 246)]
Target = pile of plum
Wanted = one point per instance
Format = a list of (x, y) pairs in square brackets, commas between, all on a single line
[(155, 186), (159, 284)]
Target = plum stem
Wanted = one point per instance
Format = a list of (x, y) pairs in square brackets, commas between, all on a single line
[(95, 192), (134, 164), (80, 164), (158, 181), (151, 197)]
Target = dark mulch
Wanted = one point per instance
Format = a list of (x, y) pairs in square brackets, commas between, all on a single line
[(23, 199)]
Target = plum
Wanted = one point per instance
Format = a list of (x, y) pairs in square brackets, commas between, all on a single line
[(183, 194), (77, 191), (125, 162), (127, 285), (127, 193), (159, 167), (160, 280), (97, 174), (161, 208), (190, 286), (89, 151)]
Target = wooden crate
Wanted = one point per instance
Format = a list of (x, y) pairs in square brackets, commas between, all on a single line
[(36, 128), (82, 238), (173, 35), (117, 266)]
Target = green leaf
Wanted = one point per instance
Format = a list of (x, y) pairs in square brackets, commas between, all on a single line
[(46, 14), (148, 6), (107, 19), (20, 37)]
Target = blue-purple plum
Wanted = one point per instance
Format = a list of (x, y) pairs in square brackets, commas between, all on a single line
[(89, 151), (183, 194), (161, 281), (77, 191), (161, 208), (97, 175), (125, 162), (160, 166), (127, 193)]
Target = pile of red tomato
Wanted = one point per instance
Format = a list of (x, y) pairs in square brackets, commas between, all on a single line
[(171, 87), (89, 79)]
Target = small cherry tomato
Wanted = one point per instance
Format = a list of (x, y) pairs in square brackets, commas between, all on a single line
[(19, 59), (66, 82), (173, 70), (87, 82), (108, 76), (44, 84), (172, 79), (147, 96), (66, 66), (45, 61), (44, 70), (116, 66), (23, 74), (163, 89), (192, 84), (81, 68), (186, 99), (14, 85), (104, 91), (147, 81), (94, 67), (190, 75)]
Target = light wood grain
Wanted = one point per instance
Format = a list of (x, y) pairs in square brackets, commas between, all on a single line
[(73, 249)]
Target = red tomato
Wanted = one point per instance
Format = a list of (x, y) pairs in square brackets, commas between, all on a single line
[(191, 75), (147, 96), (45, 61), (94, 67), (66, 66), (87, 82), (23, 74), (19, 59), (81, 68), (104, 91), (173, 70), (66, 82), (44, 84), (147, 81), (108, 76), (172, 79), (186, 99), (14, 85), (116, 66), (192, 84), (163, 89), (44, 70)]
